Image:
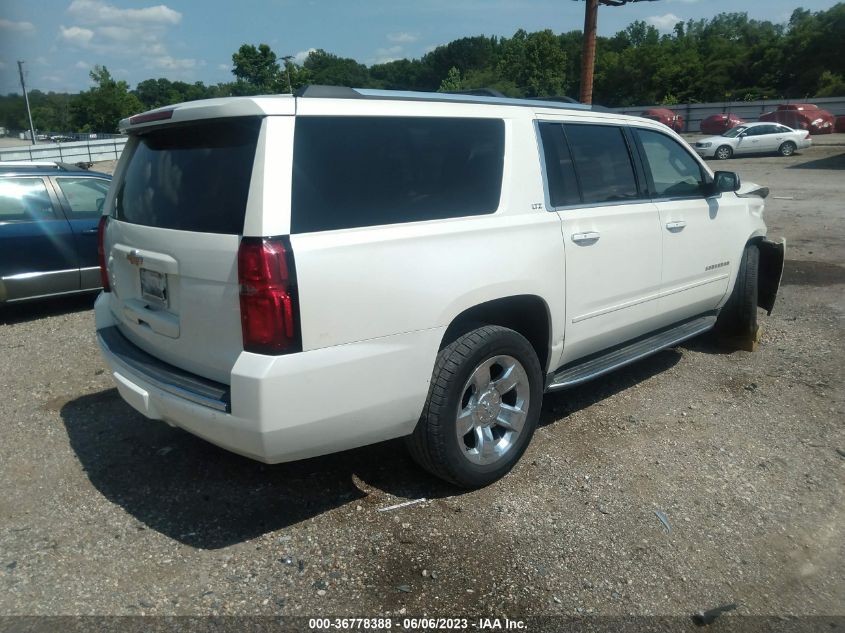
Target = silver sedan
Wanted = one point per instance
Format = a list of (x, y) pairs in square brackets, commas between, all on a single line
[(754, 138)]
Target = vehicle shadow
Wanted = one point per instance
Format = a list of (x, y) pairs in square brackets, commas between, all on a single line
[(830, 162), (41, 308), (206, 497)]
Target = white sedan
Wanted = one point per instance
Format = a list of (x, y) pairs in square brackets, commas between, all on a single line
[(754, 138)]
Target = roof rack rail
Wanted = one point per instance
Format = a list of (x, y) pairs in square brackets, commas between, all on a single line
[(327, 92), (478, 92), (561, 98), (343, 92)]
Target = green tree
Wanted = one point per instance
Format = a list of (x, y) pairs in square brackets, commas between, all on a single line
[(452, 81), (257, 70), (535, 63), (102, 107), (330, 70)]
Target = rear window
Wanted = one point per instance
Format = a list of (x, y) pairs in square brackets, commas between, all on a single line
[(602, 163), (367, 171), (190, 178)]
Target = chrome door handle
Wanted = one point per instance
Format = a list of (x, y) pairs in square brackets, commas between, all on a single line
[(89, 231), (591, 236), (676, 226)]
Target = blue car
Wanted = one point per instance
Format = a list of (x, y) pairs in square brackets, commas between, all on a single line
[(49, 214)]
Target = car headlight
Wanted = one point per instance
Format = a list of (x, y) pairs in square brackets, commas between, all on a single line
[(703, 144)]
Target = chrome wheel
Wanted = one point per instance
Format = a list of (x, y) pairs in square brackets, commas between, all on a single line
[(492, 410), (724, 152)]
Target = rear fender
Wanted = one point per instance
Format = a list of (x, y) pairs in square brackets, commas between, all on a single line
[(770, 272)]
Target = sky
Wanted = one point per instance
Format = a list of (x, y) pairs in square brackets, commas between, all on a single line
[(193, 40)]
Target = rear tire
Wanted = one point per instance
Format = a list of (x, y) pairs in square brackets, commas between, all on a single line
[(482, 408), (787, 149), (738, 318), (723, 152)]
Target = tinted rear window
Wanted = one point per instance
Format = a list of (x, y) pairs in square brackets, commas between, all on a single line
[(602, 163), (191, 178), (366, 171)]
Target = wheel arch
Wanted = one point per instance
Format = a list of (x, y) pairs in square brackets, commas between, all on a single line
[(527, 314)]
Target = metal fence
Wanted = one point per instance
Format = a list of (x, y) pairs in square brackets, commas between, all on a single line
[(695, 113), (73, 152)]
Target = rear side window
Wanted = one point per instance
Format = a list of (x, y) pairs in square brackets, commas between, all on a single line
[(602, 162), (560, 170), (368, 171), (85, 196), (24, 200), (190, 178)]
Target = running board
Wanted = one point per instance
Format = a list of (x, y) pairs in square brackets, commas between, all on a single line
[(621, 356)]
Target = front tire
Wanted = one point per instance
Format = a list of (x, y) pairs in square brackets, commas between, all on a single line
[(787, 149), (482, 407), (724, 152), (738, 318)]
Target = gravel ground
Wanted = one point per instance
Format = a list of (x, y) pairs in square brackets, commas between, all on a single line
[(106, 513)]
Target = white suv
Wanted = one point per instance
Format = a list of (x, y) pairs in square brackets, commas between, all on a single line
[(292, 276)]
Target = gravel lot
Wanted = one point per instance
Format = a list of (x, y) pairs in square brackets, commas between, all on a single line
[(106, 513)]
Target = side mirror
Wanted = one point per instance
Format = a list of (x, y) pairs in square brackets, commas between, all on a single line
[(742, 134), (724, 181)]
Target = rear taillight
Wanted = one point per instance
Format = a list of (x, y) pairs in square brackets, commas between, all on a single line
[(269, 314), (101, 253)]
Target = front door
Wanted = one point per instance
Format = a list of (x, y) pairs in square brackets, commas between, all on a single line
[(610, 236), (697, 257)]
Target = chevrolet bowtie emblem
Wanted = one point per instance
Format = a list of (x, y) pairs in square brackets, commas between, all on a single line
[(135, 258)]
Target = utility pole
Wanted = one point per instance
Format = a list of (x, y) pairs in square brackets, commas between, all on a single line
[(26, 98), (588, 52), (287, 59)]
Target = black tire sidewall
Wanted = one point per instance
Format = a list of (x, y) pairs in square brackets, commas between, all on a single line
[(509, 343), (739, 315)]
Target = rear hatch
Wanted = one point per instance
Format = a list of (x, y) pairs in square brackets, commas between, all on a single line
[(180, 199)]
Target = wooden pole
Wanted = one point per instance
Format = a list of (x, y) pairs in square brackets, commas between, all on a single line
[(588, 52)]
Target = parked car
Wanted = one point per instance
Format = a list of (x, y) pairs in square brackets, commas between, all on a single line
[(49, 214), (718, 123), (292, 276), (754, 138), (802, 116), (666, 117), (61, 138), (840, 122)]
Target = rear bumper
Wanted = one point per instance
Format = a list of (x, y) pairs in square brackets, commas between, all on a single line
[(282, 408)]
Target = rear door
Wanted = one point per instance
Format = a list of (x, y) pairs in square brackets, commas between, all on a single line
[(82, 199), (770, 138), (37, 250), (179, 205), (610, 236)]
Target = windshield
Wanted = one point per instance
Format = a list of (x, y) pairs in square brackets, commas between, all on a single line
[(734, 131)]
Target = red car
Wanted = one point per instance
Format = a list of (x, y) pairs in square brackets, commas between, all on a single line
[(802, 116), (840, 122), (666, 117), (718, 123)]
